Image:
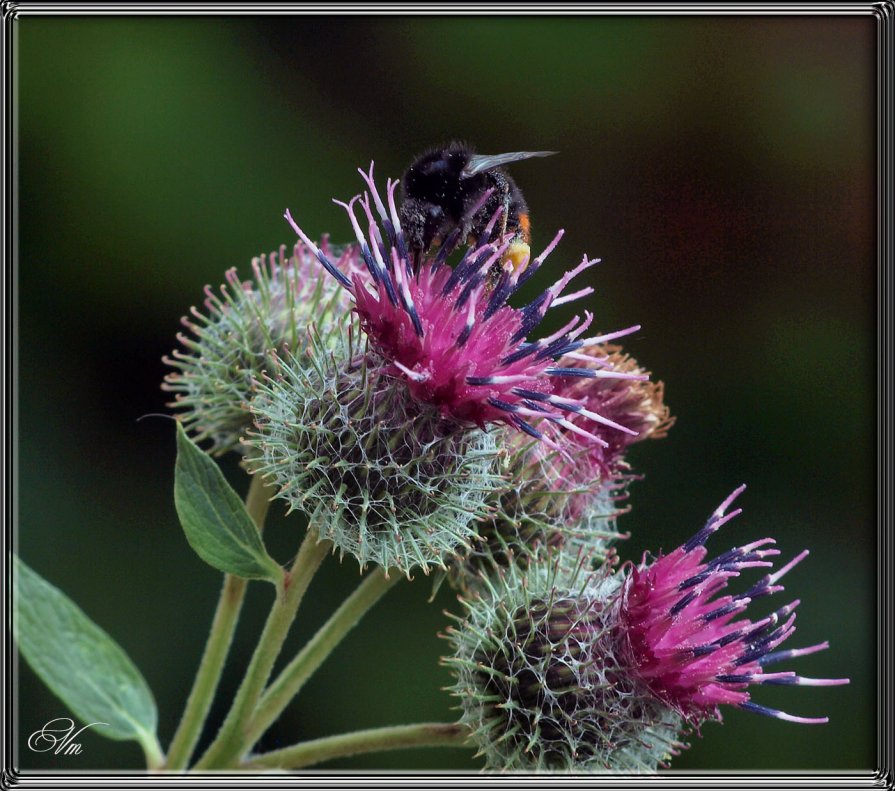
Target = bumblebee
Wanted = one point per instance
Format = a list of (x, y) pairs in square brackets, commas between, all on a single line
[(441, 203)]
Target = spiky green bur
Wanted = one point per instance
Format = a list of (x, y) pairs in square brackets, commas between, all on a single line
[(541, 678), (551, 499), (386, 478), (231, 344)]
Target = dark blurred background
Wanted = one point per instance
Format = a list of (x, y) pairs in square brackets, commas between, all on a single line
[(724, 170)]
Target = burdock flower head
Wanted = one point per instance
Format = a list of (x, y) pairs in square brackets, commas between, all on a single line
[(635, 403), (686, 644), (386, 478), (608, 673), (230, 345), (541, 681), (551, 498), (571, 494), (450, 334)]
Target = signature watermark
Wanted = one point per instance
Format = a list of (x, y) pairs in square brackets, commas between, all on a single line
[(59, 737)]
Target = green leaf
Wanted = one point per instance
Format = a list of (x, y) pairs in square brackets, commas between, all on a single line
[(214, 519), (79, 662)]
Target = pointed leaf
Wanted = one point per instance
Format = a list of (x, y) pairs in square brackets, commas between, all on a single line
[(79, 662), (214, 518)]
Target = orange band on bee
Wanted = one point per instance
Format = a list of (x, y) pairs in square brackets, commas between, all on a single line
[(525, 227)]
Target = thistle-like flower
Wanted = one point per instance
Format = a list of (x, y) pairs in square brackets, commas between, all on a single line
[(450, 334), (607, 674), (682, 641), (541, 679), (551, 498), (636, 403), (385, 478), (554, 497), (231, 346)]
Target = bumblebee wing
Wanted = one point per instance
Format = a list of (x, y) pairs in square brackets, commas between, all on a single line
[(479, 163)]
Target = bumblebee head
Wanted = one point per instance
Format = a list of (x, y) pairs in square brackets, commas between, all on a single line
[(421, 221), (443, 188)]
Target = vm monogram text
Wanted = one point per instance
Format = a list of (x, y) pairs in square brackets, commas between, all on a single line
[(59, 736)]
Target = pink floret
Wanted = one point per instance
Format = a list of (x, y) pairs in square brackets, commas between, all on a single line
[(688, 646), (436, 366)]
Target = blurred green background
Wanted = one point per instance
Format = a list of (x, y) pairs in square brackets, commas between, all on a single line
[(724, 170)]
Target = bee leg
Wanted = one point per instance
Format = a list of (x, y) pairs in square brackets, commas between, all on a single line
[(498, 270), (506, 209)]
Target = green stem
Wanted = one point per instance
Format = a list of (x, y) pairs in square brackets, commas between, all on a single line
[(299, 670), (152, 750), (424, 734), (227, 746), (218, 645)]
